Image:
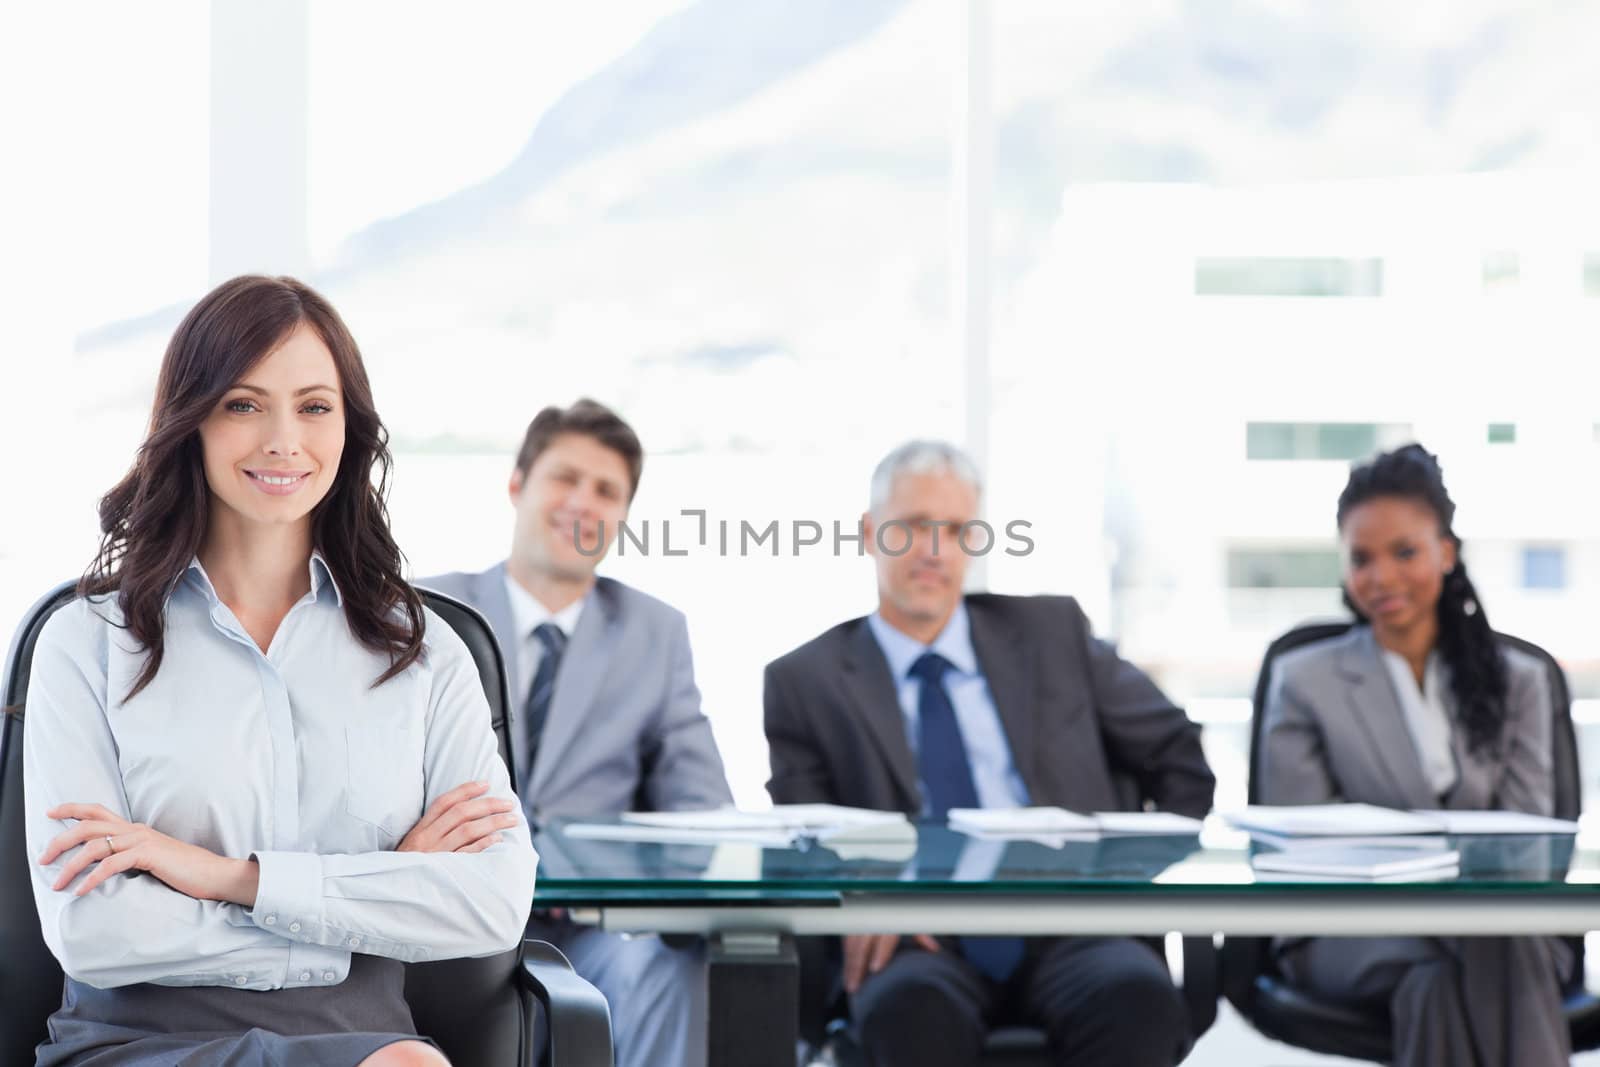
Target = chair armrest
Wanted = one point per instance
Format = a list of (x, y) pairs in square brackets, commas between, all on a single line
[(1202, 980), (1242, 961), (577, 1018)]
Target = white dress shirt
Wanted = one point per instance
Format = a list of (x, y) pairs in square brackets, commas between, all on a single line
[(994, 773), (290, 756), (1427, 713), (528, 614)]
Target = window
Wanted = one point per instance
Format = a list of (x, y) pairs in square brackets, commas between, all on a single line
[(1502, 269), (1236, 247), (1502, 433), (1283, 568), (1321, 440), (1544, 567), (1284, 276)]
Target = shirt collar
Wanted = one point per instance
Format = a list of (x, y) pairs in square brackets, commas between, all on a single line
[(527, 612), (954, 643), (1435, 676), (321, 579)]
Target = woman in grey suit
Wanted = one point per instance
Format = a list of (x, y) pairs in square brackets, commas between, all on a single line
[(1419, 707)]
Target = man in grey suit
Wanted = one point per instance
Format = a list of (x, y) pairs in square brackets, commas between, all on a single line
[(939, 700), (609, 717)]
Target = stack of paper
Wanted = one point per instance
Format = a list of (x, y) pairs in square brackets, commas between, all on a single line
[(1392, 862), (1059, 822), (780, 827), (1353, 821), (806, 818), (1331, 820), (1498, 822)]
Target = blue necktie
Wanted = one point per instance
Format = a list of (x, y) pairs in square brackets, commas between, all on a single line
[(537, 709), (947, 780)]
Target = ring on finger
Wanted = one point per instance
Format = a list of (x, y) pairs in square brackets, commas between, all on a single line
[(110, 845)]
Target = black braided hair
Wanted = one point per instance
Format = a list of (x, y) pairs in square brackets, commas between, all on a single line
[(1466, 643)]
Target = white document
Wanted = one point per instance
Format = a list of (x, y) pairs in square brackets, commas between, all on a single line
[(1146, 822), (851, 832), (1050, 824), (1498, 822), (1331, 820), (1021, 822), (794, 817), (679, 835), (1436, 842), (1432, 874), (714, 819), (1055, 841), (1371, 861)]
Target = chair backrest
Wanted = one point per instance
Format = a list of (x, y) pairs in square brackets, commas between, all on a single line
[(1245, 959), (30, 977), (1306, 634), (1567, 781), (471, 1007)]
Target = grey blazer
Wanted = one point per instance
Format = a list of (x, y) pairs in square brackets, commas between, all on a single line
[(625, 731), (1334, 731)]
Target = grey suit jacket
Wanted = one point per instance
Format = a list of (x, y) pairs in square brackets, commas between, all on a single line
[(625, 731), (1333, 731), (1087, 730)]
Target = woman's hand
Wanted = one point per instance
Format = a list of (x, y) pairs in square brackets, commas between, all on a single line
[(114, 845), (462, 820)]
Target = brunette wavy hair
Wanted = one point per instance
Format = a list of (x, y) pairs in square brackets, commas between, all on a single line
[(153, 521)]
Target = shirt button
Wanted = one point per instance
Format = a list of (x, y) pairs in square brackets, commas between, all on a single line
[(294, 928), (270, 920), (353, 942), (305, 976), (329, 976), (239, 979)]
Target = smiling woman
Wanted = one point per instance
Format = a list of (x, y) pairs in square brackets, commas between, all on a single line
[(261, 380), (280, 437), (1419, 706), (248, 704)]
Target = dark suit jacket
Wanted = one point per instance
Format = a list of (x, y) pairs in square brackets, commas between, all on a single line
[(1088, 731)]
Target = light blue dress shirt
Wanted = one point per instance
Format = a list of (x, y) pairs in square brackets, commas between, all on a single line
[(290, 756), (994, 772)]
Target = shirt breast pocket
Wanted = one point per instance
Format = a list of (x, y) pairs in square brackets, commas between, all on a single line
[(385, 786)]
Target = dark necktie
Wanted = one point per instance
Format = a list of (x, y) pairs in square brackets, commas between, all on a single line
[(537, 709), (947, 780)]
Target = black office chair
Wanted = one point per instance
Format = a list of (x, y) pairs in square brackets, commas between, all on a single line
[(482, 1012), (1021, 1046), (1251, 979)]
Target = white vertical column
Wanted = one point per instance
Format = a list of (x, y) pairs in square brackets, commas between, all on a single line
[(260, 115), (972, 182)]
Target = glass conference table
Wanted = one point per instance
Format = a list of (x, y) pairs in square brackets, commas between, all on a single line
[(748, 899)]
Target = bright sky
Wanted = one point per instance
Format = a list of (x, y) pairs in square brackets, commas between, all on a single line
[(407, 106)]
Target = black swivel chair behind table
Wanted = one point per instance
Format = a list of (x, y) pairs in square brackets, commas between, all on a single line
[(1251, 979), (482, 1012)]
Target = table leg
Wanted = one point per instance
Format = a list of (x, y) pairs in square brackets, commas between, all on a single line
[(752, 1001)]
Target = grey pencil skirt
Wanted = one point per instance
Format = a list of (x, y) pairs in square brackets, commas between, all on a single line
[(214, 1026)]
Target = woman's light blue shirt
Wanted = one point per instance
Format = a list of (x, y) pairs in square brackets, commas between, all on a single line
[(290, 756)]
